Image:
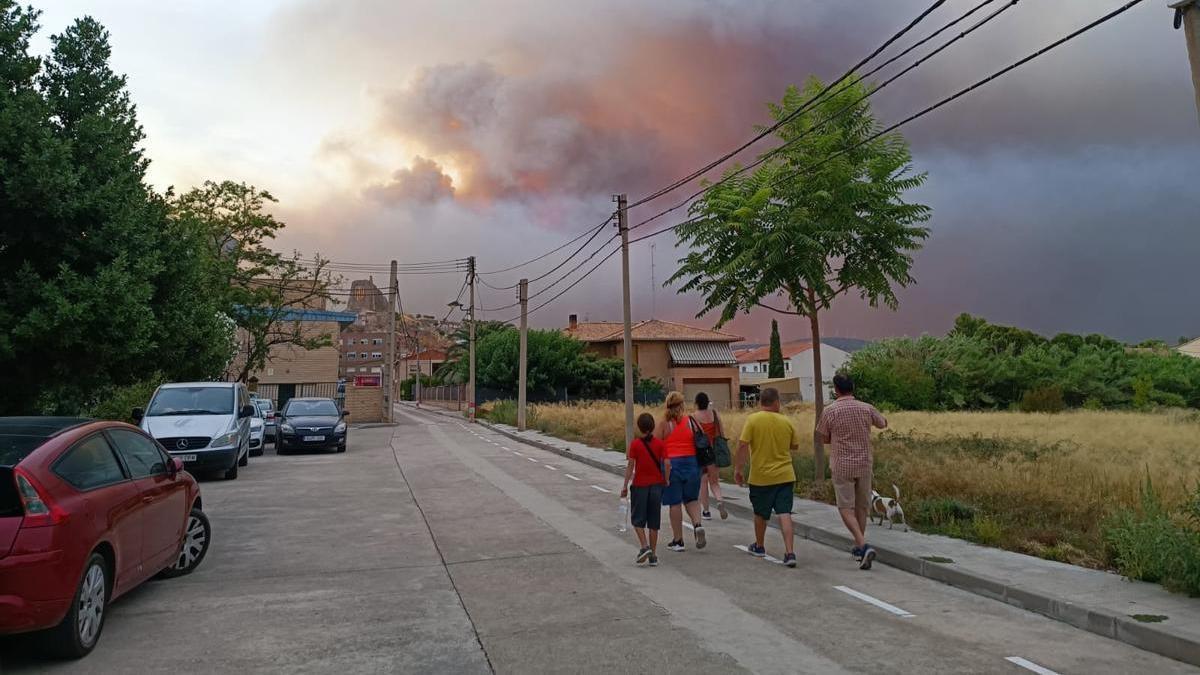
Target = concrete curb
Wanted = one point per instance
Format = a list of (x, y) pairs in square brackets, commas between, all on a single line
[(1107, 624)]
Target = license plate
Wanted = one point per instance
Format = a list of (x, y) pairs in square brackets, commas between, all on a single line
[(186, 458), (313, 438)]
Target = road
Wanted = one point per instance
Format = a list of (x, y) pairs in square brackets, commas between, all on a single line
[(434, 546)]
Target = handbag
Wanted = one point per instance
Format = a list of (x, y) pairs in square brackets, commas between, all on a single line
[(721, 446), (704, 449)]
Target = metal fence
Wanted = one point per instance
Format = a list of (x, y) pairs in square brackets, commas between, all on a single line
[(282, 393), (450, 396)]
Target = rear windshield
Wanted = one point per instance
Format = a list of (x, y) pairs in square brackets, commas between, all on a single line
[(264, 404), (296, 408), (10, 503), (16, 447), (192, 401)]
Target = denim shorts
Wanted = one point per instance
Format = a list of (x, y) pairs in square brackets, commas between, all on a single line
[(684, 487)]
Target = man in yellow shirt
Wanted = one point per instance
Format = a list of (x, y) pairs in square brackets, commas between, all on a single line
[(769, 438)]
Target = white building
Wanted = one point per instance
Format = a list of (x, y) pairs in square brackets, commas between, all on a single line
[(797, 362), (1191, 348)]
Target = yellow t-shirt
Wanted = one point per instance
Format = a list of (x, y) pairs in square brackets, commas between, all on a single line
[(771, 436)]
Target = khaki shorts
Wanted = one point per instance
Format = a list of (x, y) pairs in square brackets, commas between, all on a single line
[(853, 492)]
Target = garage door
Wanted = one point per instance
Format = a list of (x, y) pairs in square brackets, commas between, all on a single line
[(718, 392)]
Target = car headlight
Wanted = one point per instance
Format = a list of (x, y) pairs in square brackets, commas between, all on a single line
[(340, 428), (224, 439), (287, 429)]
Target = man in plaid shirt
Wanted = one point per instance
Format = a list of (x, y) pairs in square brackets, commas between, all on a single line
[(846, 425)]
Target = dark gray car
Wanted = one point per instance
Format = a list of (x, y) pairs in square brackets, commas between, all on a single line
[(311, 423)]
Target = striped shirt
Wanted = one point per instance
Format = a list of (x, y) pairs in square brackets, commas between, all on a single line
[(846, 425)]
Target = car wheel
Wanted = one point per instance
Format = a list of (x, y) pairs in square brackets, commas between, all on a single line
[(258, 452), (79, 631), (232, 472), (280, 448), (196, 538), (341, 448)]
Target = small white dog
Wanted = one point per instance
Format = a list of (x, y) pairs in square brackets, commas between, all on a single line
[(888, 509)]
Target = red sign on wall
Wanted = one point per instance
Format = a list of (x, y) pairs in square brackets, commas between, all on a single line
[(368, 380)]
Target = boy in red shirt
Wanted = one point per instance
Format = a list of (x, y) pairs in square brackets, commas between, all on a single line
[(648, 467)]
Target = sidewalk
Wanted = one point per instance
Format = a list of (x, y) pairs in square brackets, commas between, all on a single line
[(1096, 601)]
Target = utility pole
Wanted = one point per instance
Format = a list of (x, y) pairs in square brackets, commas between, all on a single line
[(417, 355), (1187, 15), (623, 227), (471, 340), (389, 372), (523, 297)]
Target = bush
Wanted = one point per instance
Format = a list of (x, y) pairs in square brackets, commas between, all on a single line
[(1151, 545), (1045, 399), (120, 401), (942, 512)]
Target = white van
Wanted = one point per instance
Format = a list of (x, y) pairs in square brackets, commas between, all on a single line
[(205, 424)]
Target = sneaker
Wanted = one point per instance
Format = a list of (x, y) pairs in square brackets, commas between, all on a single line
[(857, 552), (701, 540), (643, 555), (653, 560), (868, 557), (790, 560), (707, 515), (721, 510), (676, 546), (756, 550)]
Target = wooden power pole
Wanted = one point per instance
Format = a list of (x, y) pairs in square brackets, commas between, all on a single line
[(471, 341), (523, 297), (623, 227), (389, 371), (1187, 15)]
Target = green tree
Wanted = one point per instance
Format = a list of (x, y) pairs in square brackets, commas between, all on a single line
[(96, 288), (775, 359), (825, 215), (247, 279)]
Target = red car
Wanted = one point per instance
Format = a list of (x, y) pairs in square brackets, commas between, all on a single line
[(88, 510)]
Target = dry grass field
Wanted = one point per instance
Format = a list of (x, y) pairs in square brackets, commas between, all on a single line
[(1038, 483)]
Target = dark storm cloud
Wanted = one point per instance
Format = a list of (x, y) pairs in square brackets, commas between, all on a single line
[(1064, 194)]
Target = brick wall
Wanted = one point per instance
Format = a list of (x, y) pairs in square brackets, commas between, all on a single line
[(365, 404)]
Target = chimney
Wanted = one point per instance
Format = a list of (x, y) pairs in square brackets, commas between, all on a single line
[(572, 322)]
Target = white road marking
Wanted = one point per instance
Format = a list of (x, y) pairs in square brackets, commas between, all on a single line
[(570, 476), (688, 525), (552, 468), (517, 453), (1030, 665), (875, 601), (505, 447), (746, 549), (531, 459), (597, 487)]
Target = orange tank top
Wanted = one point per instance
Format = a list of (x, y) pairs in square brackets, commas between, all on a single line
[(680, 442), (709, 429)]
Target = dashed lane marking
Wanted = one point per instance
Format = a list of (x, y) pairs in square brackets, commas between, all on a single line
[(597, 487), (552, 468), (570, 476), (904, 614), (1029, 665), (531, 459), (770, 558)]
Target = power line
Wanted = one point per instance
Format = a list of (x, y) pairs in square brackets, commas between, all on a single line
[(850, 106), (774, 127), (794, 175), (553, 250)]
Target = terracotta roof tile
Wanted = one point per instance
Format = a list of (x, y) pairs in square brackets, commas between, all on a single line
[(653, 329), (757, 354)]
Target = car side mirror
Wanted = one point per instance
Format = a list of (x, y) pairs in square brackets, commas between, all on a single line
[(246, 411), (174, 466), (345, 413), (137, 414)]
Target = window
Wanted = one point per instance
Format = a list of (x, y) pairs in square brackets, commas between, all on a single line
[(787, 365), (362, 355), (199, 400), (377, 355), (320, 407), (89, 465), (350, 356), (377, 370), (377, 341), (141, 454), (362, 341)]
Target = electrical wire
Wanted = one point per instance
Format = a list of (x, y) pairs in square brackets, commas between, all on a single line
[(553, 250)]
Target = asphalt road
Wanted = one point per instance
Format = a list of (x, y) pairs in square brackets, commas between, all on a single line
[(432, 546)]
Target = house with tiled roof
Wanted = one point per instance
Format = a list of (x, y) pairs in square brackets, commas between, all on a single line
[(753, 364), (682, 357)]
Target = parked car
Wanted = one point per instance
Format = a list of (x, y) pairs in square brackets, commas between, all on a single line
[(257, 432), (206, 424), (88, 510), (267, 406), (311, 423)]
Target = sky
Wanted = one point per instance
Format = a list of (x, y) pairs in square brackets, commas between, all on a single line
[(1065, 195)]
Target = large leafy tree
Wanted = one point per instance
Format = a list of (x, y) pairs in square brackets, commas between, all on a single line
[(259, 287), (96, 289), (825, 215)]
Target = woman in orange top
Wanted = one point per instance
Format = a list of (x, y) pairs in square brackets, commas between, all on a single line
[(710, 476), (683, 488)]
